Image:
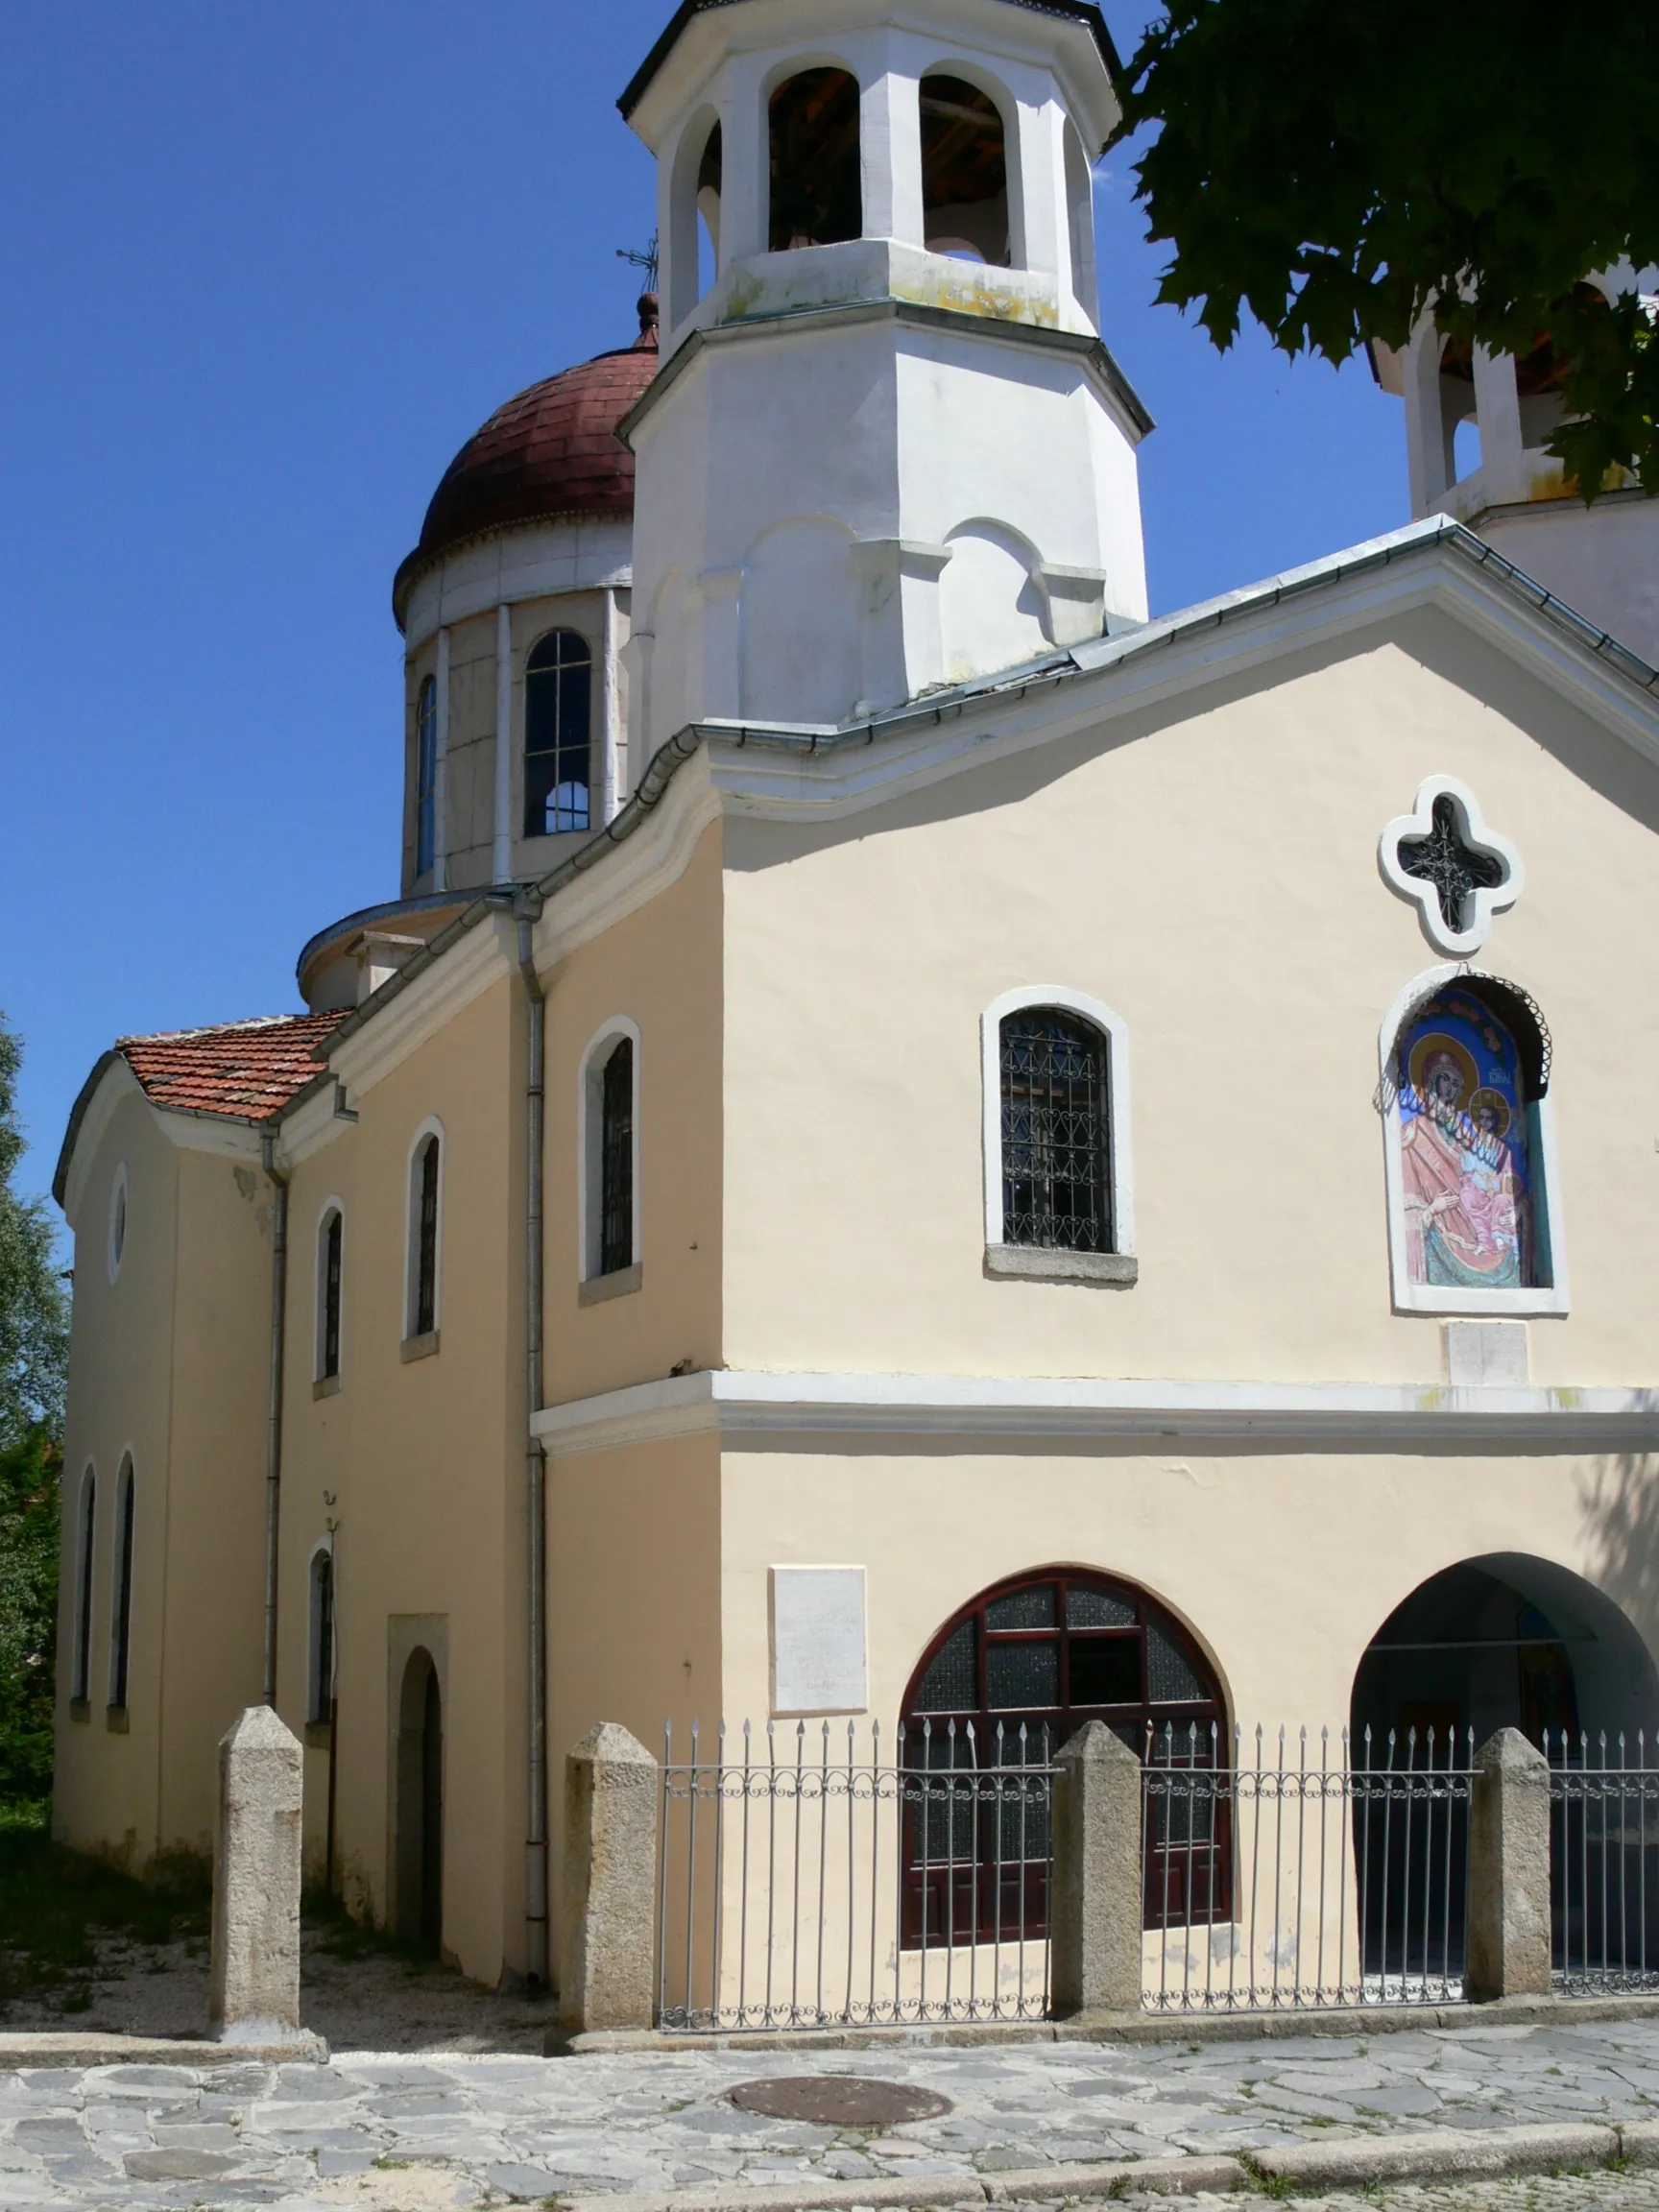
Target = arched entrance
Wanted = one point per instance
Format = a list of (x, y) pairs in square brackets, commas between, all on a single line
[(420, 1898), (1005, 1683)]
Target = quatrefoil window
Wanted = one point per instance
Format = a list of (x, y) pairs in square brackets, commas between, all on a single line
[(1456, 871)]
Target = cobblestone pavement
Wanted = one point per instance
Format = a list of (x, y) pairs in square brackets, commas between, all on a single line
[(403, 2133)]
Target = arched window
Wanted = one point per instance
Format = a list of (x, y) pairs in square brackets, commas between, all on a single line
[(87, 1529), (1471, 1070), (121, 1588), (1459, 422), (330, 1261), (817, 188), (425, 1235), (964, 172), (319, 1668), (609, 1138), (427, 777), (558, 714), (1058, 1200), (1045, 1653)]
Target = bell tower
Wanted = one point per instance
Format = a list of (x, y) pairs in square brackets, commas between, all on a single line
[(886, 450)]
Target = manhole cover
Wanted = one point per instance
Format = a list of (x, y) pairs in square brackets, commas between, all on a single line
[(838, 2100)]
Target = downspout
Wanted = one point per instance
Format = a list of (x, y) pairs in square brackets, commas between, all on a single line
[(535, 1462), (274, 1433)]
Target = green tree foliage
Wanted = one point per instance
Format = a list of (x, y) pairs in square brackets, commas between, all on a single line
[(34, 1311), (1336, 167)]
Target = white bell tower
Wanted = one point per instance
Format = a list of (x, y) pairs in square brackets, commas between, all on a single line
[(887, 449)]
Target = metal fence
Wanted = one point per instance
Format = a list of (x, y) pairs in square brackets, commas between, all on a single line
[(808, 1881), (1298, 1875), (1603, 1861)]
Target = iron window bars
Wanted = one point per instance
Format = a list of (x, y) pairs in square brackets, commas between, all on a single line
[(616, 1160), (1056, 1153)]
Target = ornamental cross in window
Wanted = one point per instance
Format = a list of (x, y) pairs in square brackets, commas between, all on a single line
[(1456, 872)]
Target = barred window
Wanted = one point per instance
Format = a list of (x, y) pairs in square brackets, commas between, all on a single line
[(616, 1160), (328, 1272), (426, 1186), (558, 713), (427, 777), (319, 1699), (1056, 1133), (121, 1606)]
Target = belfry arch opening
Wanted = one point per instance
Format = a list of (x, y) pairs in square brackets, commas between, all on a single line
[(964, 172), (1005, 1683), (1459, 420), (817, 188)]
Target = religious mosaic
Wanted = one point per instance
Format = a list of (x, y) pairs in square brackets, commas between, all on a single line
[(1464, 1157)]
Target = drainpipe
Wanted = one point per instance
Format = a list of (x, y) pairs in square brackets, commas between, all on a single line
[(274, 1433), (535, 1462)]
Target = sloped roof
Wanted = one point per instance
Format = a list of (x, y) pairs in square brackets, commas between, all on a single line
[(248, 1070)]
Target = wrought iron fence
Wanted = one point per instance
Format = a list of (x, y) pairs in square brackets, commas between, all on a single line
[(808, 1881), (1300, 1876), (1603, 1861)]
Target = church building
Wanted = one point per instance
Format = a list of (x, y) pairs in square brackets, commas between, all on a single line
[(914, 1142)]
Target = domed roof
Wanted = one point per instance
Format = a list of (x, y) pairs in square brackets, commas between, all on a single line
[(551, 452)]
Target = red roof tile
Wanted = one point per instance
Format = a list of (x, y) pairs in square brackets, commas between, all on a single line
[(250, 1069)]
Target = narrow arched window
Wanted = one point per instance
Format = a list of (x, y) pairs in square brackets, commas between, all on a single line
[(616, 1160), (1056, 1132), (964, 172), (427, 777), (330, 1260), (425, 1189), (121, 1596), (817, 191), (558, 719), (320, 1672), (81, 1675)]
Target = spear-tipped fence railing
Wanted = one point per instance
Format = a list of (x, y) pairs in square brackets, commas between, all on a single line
[(1298, 1875), (1603, 1860), (808, 1879)]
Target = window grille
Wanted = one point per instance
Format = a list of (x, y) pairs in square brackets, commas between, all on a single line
[(616, 1161), (83, 1680), (332, 1243), (1056, 1170), (558, 714), (427, 777), (322, 1637), (427, 1248), (123, 1615)]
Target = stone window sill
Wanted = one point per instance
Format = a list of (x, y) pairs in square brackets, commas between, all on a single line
[(115, 1719), (79, 1708), (325, 1386), (316, 1735), (616, 1284), (418, 1347), (1034, 1264)]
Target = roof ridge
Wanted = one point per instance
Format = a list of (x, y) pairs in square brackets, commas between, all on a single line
[(223, 1029)]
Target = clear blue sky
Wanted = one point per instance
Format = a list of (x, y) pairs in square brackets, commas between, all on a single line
[(262, 270)]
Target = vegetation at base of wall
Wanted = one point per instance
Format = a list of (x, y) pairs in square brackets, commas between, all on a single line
[(341, 1935), (55, 1905), (31, 1468)]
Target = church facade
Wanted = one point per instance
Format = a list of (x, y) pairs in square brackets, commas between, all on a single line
[(914, 1142)]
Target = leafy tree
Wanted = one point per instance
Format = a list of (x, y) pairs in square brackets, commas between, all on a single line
[(34, 1311), (1339, 167)]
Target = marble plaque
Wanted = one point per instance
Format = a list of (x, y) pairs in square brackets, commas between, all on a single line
[(818, 1640)]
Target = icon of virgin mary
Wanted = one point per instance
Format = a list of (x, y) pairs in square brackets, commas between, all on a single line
[(1465, 1205)]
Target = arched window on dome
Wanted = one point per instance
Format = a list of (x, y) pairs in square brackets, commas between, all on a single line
[(964, 172), (427, 777), (817, 195), (557, 719)]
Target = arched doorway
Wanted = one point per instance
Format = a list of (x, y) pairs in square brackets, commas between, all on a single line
[(1005, 1683), (420, 1895)]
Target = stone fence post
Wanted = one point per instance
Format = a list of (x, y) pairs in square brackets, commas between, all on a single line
[(610, 1812), (1509, 1869), (256, 1956), (1094, 1910)]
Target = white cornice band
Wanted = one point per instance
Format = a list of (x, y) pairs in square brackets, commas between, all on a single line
[(992, 1409)]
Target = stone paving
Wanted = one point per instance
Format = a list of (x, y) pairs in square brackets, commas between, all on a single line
[(442, 2130)]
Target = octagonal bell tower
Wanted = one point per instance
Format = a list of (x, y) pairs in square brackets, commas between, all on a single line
[(887, 449)]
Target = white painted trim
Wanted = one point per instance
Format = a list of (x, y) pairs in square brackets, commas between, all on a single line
[(216, 1133), (479, 958), (126, 1481), (119, 1223), (430, 1128), (116, 1083), (501, 857), (1411, 1297), (330, 1204), (611, 780), (1348, 1417), (1417, 891), (1121, 1162), (589, 1132), (441, 770)]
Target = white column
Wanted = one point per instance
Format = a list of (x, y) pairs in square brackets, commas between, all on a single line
[(441, 771), (610, 772), (1424, 432), (502, 859), (745, 161), (1497, 415), (890, 144)]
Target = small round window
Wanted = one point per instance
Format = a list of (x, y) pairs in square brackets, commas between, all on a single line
[(117, 1221)]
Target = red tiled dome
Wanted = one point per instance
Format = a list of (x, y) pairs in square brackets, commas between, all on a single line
[(551, 452)]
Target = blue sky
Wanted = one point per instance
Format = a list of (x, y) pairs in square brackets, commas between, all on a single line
[(262, 270)]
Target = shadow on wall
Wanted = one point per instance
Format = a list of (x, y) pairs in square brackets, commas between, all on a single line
[(1619, 1500)]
